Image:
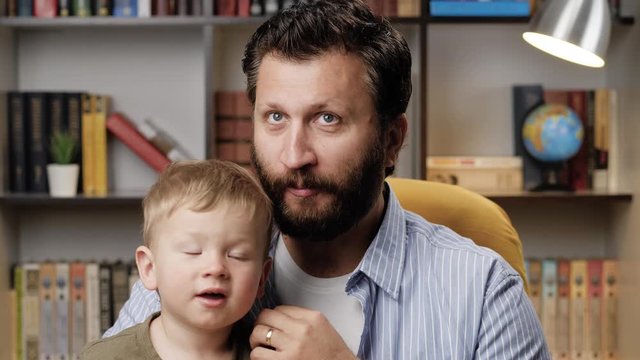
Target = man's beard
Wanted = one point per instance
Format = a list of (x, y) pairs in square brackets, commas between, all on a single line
[(353, 196)]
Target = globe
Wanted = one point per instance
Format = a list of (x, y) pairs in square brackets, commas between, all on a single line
[(552, 133)]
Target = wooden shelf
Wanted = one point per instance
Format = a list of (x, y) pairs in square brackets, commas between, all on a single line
[(127, 198), (109, 21), (197, 21), (156, 21), (554, 196)]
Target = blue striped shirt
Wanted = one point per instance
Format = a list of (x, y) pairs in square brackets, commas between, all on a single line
[(426, 293)]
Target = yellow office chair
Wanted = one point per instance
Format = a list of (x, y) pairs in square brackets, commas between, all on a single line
[(467, 213)]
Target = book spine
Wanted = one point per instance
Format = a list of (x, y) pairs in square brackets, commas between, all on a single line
[(92, 286), (57, 115), (19, 285), (47, 310), (45, 8), (549, 304), (610, 310), (106, 310), (119, 286), (601, 139), (225, 7), (81, 8), (31, 312), (163, 141), (64, 8), (578, 308), (197, 8), (100, 143), (144, 8), (125, 8), (208, 8), (88, 146), (534, 274), (578, 165), (244, 8), (18, 130), (564, 278), (78, 309), (257, 7), (270, 7), (73, 124), (38, 142), (593, 324), (121, 127), (390, 7), (525, 99), (183, 8), (62, 311), (103, 7), (25, 8)]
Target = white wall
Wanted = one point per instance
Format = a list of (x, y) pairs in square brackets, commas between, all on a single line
[(156, 73)]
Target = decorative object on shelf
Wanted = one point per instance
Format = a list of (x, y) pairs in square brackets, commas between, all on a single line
[(480, 8), (63, 173), (576, 31), (552, 134)]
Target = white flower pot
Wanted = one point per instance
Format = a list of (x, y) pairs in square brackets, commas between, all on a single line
[(63, 179)]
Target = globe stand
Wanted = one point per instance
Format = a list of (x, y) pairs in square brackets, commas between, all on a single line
[(551, 178)]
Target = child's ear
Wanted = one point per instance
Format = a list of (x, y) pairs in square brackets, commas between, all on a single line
[(146, 267), (266, 269)]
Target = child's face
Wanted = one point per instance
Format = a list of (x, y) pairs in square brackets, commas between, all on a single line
[(207, 266)]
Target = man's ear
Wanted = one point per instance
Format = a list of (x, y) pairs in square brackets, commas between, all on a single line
[(266, 269), (396, 133), (146, 267)]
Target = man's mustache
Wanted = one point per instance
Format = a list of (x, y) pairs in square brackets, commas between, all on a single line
[(303, 179)]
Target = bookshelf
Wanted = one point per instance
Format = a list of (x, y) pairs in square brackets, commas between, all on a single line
[(463, 69)]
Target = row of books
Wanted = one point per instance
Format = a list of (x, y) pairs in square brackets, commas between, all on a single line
[(148, 8), (33, 117), (115, 8), (234, 127), (577, 303), (595, 166), (59, 307)]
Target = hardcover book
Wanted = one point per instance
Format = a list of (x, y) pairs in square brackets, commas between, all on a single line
[(18, 134), (125, 131)]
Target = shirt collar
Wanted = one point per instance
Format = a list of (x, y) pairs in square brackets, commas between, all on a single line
[(384, 260)]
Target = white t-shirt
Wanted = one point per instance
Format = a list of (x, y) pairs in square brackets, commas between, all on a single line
[(327, 295)]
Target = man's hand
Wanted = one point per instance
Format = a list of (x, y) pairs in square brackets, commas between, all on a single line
[(296, 333)]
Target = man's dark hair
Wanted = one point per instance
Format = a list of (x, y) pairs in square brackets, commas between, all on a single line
[(309, 28)]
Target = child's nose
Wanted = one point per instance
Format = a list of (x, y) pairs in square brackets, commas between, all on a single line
[(216, 267)]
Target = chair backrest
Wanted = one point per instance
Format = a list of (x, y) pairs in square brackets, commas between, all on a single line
[(465, 212)]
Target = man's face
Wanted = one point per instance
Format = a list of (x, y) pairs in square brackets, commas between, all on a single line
[(318, 150)]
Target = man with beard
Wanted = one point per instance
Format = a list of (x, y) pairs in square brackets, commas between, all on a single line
[(354, 274)]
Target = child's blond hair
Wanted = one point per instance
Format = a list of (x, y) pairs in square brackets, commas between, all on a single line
[(201, 185)]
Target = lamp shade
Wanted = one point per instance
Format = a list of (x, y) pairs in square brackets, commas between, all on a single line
[(573, 30)]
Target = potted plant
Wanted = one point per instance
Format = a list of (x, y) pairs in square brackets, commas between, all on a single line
[(63, 172)]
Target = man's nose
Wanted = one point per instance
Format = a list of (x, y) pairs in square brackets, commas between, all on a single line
[(298, 151)]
